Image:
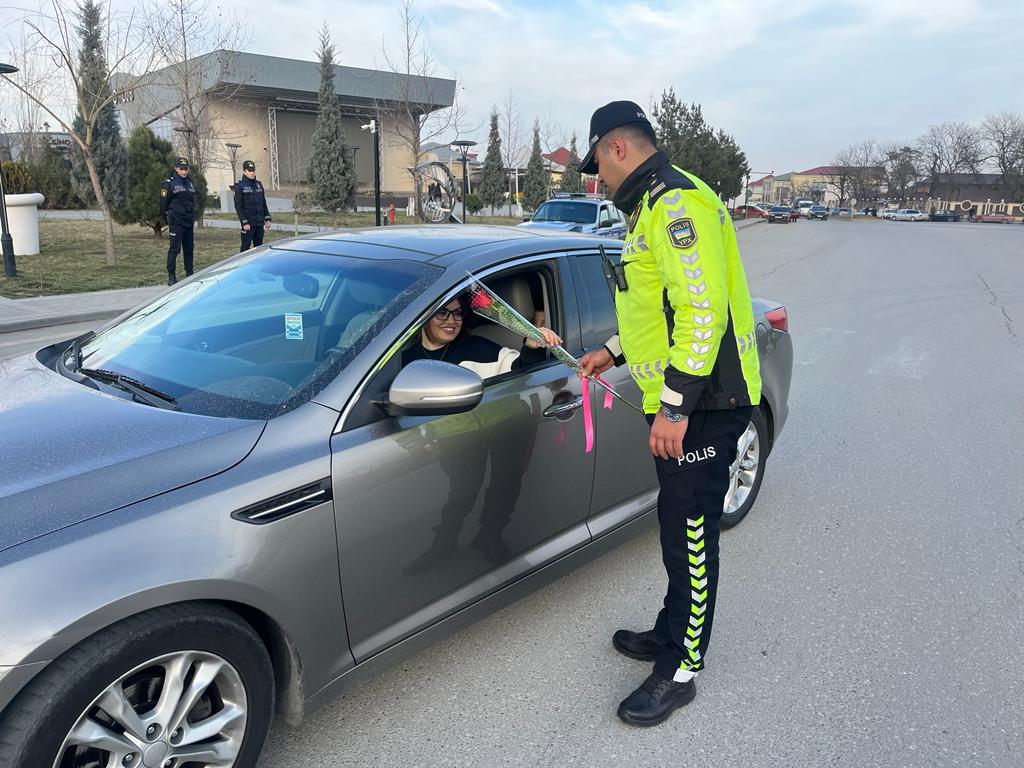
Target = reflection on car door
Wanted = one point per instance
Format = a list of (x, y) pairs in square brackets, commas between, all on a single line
[(435, 512), (625, 483)]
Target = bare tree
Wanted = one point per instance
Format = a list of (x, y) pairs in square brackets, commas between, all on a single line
[(417, 114), (180, 32), (1003, 134), (901, 168), (861, 171), (512, 150), (52, 37), (950, 148)]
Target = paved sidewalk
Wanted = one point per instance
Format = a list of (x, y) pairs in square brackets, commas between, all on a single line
[(44, 311)]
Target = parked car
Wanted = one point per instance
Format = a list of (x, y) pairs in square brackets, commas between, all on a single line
[(995, 217), (750, 211), (843, 212), (802, 205), (909, 214), (818, 212), (572, 212), (945, 214), (889, 213), (187, 493), (780, 213)]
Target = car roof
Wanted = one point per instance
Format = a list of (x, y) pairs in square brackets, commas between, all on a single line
[(440, 244)]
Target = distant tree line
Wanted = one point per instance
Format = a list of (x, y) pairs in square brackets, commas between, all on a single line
[(869, 170)]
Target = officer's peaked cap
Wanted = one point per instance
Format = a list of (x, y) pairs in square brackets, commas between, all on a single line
[(612, 115), (181, 162), (248, 165)]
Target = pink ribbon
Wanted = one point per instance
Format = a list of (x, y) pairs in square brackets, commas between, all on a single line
[(588, 417)]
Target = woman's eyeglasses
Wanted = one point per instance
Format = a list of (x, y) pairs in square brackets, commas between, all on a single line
[(444, 313)]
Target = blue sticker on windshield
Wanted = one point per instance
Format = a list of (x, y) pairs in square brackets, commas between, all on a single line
[(293, 327)]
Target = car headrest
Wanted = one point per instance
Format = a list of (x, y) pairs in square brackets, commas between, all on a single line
[(369, 293), (516, 291)]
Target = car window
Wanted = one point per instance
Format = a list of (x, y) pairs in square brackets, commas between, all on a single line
[(261, 333), (575, 212), (606, 216), (604, 323)]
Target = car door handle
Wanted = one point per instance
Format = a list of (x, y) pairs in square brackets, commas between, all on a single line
[(564, 408)]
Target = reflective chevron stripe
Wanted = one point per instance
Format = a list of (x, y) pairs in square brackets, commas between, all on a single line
[(698, 592), (650, 370)]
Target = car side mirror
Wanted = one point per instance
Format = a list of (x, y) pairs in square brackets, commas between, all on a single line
[(527, 218), (433, 388), (604, 225)]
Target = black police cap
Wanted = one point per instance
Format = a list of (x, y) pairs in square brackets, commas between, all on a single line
[(248, 165), (181, 162), (609, 117)]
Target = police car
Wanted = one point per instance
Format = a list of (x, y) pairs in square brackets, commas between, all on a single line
[(579, 212)]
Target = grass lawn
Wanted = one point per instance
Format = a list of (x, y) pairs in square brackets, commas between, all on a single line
[(285, 219), (73, 259)]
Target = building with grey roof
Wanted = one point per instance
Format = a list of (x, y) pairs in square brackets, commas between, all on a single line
[(268, 106)]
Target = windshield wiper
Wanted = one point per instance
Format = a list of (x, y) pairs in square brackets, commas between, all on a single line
[(138, 389)]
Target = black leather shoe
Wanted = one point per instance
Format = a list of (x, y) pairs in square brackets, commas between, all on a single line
[(171, 279), (642, 646), (655, 700)]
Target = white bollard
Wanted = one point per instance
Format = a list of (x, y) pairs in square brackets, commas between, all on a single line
[(23, 219)]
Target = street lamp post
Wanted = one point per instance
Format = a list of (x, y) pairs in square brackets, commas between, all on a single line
[(233, 159), (374, 128), (462, 147), (187, 133), (6, 241)]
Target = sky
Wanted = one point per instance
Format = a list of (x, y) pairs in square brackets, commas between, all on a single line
[(794, 81)]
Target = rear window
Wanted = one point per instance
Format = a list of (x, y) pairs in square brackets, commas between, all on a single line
[(568, 211)]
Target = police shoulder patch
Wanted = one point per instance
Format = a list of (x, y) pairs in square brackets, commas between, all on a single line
[(682, 233), (163, 191)]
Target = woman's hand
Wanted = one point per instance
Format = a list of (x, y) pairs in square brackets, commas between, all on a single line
[(552, 339)]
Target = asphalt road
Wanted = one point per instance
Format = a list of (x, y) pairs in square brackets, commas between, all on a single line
[(870, 610)]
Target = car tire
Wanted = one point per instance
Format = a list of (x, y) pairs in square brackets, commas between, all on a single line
[(747, 471), (194, 641)]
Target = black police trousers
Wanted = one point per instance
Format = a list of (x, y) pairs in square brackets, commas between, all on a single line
[(252, 238), (181, 239), (690, 504)]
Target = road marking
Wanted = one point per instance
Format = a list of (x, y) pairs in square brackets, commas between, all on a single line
[(820, 342), (910, 359)]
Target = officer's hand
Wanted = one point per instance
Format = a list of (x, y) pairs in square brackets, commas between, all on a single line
[(245, 227), (266, 224), (597, 362), (667, 438), (552, 339)]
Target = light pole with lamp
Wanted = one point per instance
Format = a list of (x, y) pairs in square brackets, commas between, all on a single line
[(187, 133), (746, 188), (233, 159), (6, 241), (462, 147), (373, 128)]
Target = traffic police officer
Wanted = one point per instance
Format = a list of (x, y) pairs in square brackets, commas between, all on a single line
[(251, 206), (178, 209), (686, 330)]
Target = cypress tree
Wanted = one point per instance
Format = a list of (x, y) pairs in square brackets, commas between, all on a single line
[(493, 184), (109, 155), (331, 167), (149, 158), (535, 184), (571, 179)]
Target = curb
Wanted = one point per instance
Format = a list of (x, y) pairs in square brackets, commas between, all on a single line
[(31, 323)]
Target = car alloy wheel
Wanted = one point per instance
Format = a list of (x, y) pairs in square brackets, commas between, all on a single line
[(746, 471), (181, 709)]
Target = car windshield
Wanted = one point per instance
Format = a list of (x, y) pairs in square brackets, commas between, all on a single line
[(780, 209), (567, 211), (259, 335)]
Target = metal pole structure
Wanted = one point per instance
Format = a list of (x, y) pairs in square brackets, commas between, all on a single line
[(6, 241), (233, 156), (462, 146), (376, 168)]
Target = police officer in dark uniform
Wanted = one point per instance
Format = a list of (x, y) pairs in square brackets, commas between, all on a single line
[(178, 209), (251, 206)]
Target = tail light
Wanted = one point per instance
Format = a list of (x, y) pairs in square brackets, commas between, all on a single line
[(778, 319)]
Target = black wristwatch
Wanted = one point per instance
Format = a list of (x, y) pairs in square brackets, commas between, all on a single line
[(671, 416)]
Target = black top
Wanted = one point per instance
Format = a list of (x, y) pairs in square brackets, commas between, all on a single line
[(476, 349), (251, 202), (178, 201)]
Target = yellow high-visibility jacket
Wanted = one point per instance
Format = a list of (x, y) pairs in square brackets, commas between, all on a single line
[(686, 324)]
